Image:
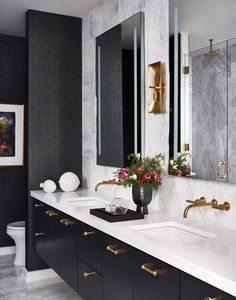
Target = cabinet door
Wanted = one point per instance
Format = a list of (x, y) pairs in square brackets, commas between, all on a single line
[(117, 270), (61, 246), (90, 246), (195, 289), (40, 229), (154, 279), (89, 282)]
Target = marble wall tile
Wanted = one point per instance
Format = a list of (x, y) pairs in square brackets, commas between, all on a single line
[(174, 191)]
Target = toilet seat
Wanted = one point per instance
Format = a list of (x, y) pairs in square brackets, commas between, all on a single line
[(17, 226)]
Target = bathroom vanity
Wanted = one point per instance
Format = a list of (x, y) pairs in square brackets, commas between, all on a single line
[(131, 260)]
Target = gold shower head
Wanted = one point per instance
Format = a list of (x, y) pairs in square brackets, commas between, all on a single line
[(211, 52)]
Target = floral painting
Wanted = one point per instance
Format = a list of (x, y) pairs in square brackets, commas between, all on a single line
[(11, 135), (7, 133)]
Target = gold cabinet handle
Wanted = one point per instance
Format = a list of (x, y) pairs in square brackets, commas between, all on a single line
[(88, 274), (39, 234), (51, 213), (67, 222), (220, 173), (151, 270), (87, 233), (216, 298), (115, 250), (38, 205)]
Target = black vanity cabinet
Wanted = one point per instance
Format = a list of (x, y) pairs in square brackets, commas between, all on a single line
[(118, 261), (154, 279), (195, 289)]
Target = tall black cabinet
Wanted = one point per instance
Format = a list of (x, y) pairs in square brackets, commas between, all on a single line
[(55, 104)]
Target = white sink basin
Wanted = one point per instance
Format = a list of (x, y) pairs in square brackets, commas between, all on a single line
[(87, 201), (173, 232)]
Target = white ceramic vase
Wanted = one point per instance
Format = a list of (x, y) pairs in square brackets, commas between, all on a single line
[(69, 182), (48, 186)]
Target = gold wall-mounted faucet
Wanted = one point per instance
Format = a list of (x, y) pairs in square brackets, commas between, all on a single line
[(202, 202), (106, 182)]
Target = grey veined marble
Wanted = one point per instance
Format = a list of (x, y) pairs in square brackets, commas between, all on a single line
[(14, 287)]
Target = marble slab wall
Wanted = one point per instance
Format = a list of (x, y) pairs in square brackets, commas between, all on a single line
[(174, 191)]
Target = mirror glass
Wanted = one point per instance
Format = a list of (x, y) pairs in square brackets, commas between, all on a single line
[(119, 90), (202, 89)]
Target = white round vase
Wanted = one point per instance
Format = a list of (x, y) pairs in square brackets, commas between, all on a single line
[(69, 182), (48, 186)]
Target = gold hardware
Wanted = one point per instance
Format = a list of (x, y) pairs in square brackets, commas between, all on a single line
[(185, 70), (186, 147), (87, 274), (67, 222), (151, 270), (211, 52), (221, 173), (87, 233), (115, 250), (38, 205), (202, 202), (105, 182), (51, 213), (216, 298), (157, 104), (39, 234)]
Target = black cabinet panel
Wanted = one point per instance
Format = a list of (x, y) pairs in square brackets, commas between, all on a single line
[(90, 246), (194, 289), (117, 270), (89, 282), (55, 103), (163, 286)]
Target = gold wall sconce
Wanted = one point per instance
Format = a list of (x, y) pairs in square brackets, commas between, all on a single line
[(157, 105)]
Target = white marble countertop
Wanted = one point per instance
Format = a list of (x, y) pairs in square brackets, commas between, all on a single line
[(209, 259)]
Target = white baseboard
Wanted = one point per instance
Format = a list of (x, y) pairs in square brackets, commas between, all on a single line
[(7, 250), (39, 275)]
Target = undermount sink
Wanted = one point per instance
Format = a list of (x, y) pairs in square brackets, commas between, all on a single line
[(87, 201), (174, 232)]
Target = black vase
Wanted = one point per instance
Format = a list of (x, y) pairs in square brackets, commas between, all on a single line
[(141, 198)]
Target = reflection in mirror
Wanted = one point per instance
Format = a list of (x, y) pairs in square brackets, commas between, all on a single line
[(202, 93), (119, 90)]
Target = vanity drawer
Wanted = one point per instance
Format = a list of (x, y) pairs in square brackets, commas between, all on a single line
[(195, 289), (154, 279), (90, 246), (89, 282)]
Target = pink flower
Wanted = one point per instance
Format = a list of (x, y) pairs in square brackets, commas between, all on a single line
[(178, 173), (139, 168), (123, 173), (186, 166)]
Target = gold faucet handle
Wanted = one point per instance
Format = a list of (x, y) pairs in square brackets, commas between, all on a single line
[(191, 201)]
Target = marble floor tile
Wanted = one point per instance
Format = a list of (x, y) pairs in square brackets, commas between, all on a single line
[(14, 287)]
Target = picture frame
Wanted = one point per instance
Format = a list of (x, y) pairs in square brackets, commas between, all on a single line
[(11, 135)]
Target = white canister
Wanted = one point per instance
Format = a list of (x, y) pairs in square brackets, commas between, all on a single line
[(69, 182), (48, 186)]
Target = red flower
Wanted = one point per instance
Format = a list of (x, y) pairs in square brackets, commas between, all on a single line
[(3, 147), (139, 168), (178, 173), (123, 173)]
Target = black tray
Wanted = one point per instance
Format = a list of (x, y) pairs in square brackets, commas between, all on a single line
[(129, 216)]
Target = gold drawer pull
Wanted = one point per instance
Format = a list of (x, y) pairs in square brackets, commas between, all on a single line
[(88, 274), (115, 250), (87, 233), (151, 270), (38, 205), (39, 234), (67, 222), (51, 213), (216, 298)]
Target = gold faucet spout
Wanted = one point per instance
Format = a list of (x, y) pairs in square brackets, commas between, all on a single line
[(107, 182), (202, 202)]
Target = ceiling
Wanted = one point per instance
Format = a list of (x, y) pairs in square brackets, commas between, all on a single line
[(12, 12)]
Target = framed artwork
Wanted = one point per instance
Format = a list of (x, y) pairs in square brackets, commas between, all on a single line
[(11, 135)]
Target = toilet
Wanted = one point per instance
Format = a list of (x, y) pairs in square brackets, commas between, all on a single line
[(16, 231)]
